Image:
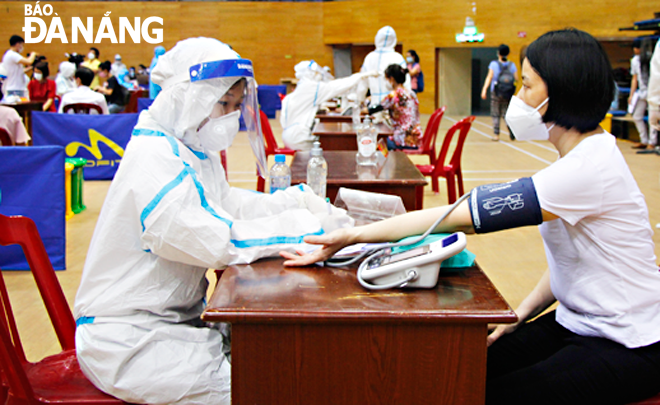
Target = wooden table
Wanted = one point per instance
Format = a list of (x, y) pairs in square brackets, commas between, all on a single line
[(397, 176), (315, 336), (25, 109), (333, 116), (341, 136)]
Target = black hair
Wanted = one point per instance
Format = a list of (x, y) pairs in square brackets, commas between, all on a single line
[(86, 75), (76, 59), (637, 43), (105, 66), (414, 55), (96, 51), (15, 39), (43, 67), (503, 50), (579, 77), (396, 72)]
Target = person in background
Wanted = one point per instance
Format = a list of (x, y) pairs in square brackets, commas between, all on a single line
[(41, 88), (15, 67), (154, 89), (415, 72), (602, 343), (403, 107), (653, 96), (114, 92), (500, 73), (64, 80), (639, 69), (93, 63), (378, 60), (83, 94), (300, 106), (117, 65), (11, 122)]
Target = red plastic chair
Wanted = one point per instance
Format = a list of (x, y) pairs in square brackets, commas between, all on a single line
[(5, 139), (271, 146), (450, 170), (132, 105), (55, 379), (82, 108), (430, 135)]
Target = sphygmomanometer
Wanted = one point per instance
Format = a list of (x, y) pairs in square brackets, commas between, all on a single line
[(493, 207)]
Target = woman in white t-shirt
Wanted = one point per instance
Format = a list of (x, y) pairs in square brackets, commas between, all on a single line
[(602, 344)]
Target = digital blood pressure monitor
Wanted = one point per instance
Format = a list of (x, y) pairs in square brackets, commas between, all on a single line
[(415, 268)]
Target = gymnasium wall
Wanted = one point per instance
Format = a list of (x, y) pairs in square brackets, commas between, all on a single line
[(277, 35)]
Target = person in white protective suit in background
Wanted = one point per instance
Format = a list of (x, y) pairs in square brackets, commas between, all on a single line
[(169, 216), (378, 60), (299, 107)]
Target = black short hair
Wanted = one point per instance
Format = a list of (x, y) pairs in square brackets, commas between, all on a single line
[(579, 77), (43, 67), (414, 55), (105, 66), (503, 50), (396, 72), (86, 75), (15, 39), (96, 51), (637, 43)]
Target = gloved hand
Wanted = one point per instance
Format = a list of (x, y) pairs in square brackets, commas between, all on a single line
[(654, 118), (372, 73), (330, 216)]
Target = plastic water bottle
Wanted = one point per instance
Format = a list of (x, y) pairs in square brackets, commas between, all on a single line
[(366, 139), (317, 170), (280, 174)]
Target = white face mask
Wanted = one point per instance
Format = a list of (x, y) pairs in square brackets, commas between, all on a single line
[(37, 76), (219, 133), (91, 56), (526, 122), (388, 85)]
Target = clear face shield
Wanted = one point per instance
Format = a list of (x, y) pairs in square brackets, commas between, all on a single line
[(240, 69)]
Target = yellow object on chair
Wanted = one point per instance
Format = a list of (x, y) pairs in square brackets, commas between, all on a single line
[(68, 168), (606, 123)]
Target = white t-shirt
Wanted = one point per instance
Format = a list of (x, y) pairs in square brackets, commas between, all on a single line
[(600, 252), (84, 94), (636, 69), (16, 79)]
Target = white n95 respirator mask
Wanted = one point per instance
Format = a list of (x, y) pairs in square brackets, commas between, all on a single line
[(218, 133), (526, 122)]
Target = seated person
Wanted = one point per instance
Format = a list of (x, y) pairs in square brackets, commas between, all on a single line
[(602, 343), (64, 80), (403, 107), (41, 88), (115, 93), (11, 122), (83, 94), (299, 107)]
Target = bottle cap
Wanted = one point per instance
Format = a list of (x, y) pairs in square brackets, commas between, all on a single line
[(280, 158), (316, 149)]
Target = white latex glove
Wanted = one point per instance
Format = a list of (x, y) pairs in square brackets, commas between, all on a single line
[(330, 216), (372, 73), (654, 118)]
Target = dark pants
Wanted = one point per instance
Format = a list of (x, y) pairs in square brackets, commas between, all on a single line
[(498, 107), (544, 363)]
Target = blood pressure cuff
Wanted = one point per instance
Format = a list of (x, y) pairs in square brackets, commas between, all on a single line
[(495, 207)]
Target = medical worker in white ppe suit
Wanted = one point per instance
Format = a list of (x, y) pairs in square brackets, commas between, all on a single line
[(169, 216), (378, 60), (299, 107)]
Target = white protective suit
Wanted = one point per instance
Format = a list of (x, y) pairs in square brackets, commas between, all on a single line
[(300, 106), (169, 216), (64, 80), (653, 96), (378, 60)]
